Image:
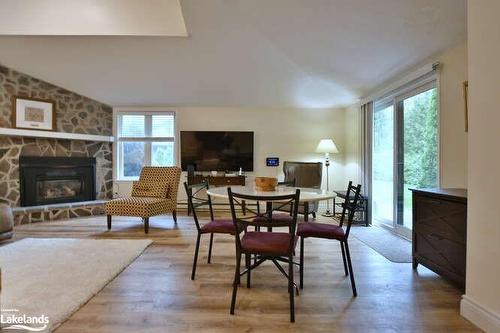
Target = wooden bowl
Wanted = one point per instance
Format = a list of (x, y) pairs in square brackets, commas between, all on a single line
[(266, 183)]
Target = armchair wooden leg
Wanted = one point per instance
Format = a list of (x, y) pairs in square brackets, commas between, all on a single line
[(146, 225), (174, 215), (109, 222)]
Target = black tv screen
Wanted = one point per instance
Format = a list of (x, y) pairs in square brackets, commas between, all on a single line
[(217, 151)]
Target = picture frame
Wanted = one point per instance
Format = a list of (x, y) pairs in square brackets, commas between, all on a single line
[(33, 113), (466, 104)]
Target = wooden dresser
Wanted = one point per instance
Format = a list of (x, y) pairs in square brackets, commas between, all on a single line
[(440, 232)]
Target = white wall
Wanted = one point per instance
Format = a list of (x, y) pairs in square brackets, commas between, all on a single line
[(481, 303), (288, 133), (453, 138)]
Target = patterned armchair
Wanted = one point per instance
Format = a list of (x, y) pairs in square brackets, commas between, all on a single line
[(154, 194)]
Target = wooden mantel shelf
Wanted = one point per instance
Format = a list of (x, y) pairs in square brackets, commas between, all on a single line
[(54, 135)]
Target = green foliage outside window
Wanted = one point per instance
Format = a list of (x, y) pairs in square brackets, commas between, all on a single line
[(421, 139)]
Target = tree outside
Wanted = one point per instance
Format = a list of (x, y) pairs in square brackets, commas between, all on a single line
[(420, 144)]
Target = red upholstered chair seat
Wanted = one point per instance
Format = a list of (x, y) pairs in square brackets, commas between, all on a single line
[(218, 227), (276, 243), (280, 217), (320, 230)]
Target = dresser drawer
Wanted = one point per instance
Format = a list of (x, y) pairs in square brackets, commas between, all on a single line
[(443, 255), (444, 218), (440, 232)]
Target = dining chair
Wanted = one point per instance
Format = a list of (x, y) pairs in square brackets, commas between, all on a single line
[(214, 226), (274, 246), (277, 207), (334, 232)]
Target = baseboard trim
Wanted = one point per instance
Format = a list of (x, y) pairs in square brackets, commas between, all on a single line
[(479, 315)]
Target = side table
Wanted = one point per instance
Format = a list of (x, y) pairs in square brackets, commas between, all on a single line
[(361, 212)]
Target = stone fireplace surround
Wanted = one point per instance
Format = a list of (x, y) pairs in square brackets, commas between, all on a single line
[(74, 114)]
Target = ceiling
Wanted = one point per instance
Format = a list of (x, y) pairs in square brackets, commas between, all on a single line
[(92, 17), (258, 53)]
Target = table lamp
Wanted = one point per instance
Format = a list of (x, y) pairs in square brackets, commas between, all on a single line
[(327, 146)]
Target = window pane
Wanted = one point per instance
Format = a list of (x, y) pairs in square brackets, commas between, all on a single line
[(162, 154), (132, 126), (420, 145), (133, 158), (163, 125), (383, 165)]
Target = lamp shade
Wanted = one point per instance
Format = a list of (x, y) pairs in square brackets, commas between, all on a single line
[(327, 146)]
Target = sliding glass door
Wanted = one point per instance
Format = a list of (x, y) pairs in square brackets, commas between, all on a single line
[(417, 131), (405, 153), (383, 163)]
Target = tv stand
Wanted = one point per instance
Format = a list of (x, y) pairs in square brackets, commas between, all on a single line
[(217, 180)]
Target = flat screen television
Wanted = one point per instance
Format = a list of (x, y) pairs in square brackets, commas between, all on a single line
[(217, 151)]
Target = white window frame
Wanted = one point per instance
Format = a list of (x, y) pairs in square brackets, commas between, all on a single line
[(147, 139)]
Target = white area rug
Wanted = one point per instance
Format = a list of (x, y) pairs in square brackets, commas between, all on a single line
[(55, 277)]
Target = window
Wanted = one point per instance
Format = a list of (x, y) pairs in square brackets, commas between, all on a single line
[(404, 150), (144, 138)]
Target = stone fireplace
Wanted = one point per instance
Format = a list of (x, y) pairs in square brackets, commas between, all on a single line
[(76, 191), (50, 180)]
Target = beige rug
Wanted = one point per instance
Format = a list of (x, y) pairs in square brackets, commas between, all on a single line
[(388, 244), (55, 277)]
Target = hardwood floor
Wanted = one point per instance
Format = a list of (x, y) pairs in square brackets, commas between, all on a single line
[(155, 293)]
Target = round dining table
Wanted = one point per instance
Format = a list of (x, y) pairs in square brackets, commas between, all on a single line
[(307, 195)]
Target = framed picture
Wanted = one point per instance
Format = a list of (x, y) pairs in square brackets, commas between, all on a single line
[(31, 113), (466, 102)]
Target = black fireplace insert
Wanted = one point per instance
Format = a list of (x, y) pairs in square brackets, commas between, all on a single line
[(49, 180)]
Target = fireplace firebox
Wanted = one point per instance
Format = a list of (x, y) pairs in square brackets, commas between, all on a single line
[(49, 180)]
